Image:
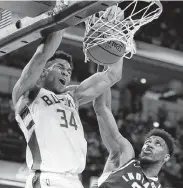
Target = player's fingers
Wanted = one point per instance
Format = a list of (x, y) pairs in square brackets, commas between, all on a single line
[(120, 14), (106, 13), (66, 2), (112, 13), (117, 11), (101, 13)]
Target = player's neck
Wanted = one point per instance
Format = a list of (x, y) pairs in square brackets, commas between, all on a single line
[(47, 87), (151, 170), (54, 91)]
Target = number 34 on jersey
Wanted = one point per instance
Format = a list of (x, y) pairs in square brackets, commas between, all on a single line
[(67, 119)]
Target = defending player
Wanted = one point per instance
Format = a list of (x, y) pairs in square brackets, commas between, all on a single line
[(122, 169), (47, 112)]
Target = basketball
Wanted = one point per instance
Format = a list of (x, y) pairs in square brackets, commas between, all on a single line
[(107, 53)]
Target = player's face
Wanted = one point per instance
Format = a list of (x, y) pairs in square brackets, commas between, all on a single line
[(154, 150), (59, 75)]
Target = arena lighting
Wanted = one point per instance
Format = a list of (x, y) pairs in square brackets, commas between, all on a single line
[(143, 80), (156, 124), (12, 183), (159, 53)]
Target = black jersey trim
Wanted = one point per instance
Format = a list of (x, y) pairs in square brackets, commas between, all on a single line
[(24, 112)]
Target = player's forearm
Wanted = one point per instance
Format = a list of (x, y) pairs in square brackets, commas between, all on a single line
[(114, 71), (107, 94), (107, 122), (49, 45), (108, 134)]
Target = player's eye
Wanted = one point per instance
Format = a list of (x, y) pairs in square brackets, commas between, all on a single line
[(148, 141), (59, 66)]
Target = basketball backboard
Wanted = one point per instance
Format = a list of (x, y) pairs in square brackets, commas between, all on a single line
[(29, 8), (28, 30)]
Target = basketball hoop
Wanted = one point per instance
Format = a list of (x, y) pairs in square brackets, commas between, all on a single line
[(121, 26)]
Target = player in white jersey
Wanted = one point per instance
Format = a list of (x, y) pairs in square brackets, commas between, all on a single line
[(47, 112)]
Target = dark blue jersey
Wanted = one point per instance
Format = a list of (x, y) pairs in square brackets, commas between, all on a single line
[(129, 176)]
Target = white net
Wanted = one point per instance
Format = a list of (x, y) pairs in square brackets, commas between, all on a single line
[(116, 24)]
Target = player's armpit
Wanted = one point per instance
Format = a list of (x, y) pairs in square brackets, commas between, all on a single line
[(70, 88), (127, 150), (96, 84), (27, 98), (118, 158), (33, 93), (112, 163)]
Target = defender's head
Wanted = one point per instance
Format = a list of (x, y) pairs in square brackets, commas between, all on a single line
[(157, 148), (57, 73)]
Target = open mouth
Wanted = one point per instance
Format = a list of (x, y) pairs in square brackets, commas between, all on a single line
[(62, 81), (147, 151)]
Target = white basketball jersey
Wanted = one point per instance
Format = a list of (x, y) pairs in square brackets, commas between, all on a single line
[(54, 134)]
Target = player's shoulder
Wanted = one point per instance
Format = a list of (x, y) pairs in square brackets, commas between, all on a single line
[(133, 162), (103, 178), (70, 90), (114, 173)]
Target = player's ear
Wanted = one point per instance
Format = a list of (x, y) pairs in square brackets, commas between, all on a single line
[(166, 158), (42, 77), (44, 73)]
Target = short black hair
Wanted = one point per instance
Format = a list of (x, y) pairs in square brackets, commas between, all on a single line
[(170, 142), (60, 55)]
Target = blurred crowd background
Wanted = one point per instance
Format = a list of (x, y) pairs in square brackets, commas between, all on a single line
[(141, 105), (166, 31)]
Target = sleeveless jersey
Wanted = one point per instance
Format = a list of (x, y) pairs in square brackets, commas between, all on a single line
[(54, 134), (128, 176)]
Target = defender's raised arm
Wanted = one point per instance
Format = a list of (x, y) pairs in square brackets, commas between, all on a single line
[(119, 148)]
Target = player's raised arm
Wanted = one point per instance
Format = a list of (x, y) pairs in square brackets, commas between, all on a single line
[(95, 85), (34, 68), (107, 93), (120, 149)]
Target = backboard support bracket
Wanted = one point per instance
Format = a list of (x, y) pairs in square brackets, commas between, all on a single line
[(28, 30)]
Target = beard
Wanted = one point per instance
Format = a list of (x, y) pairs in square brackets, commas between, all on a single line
[(51, 85), (145, 160)]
